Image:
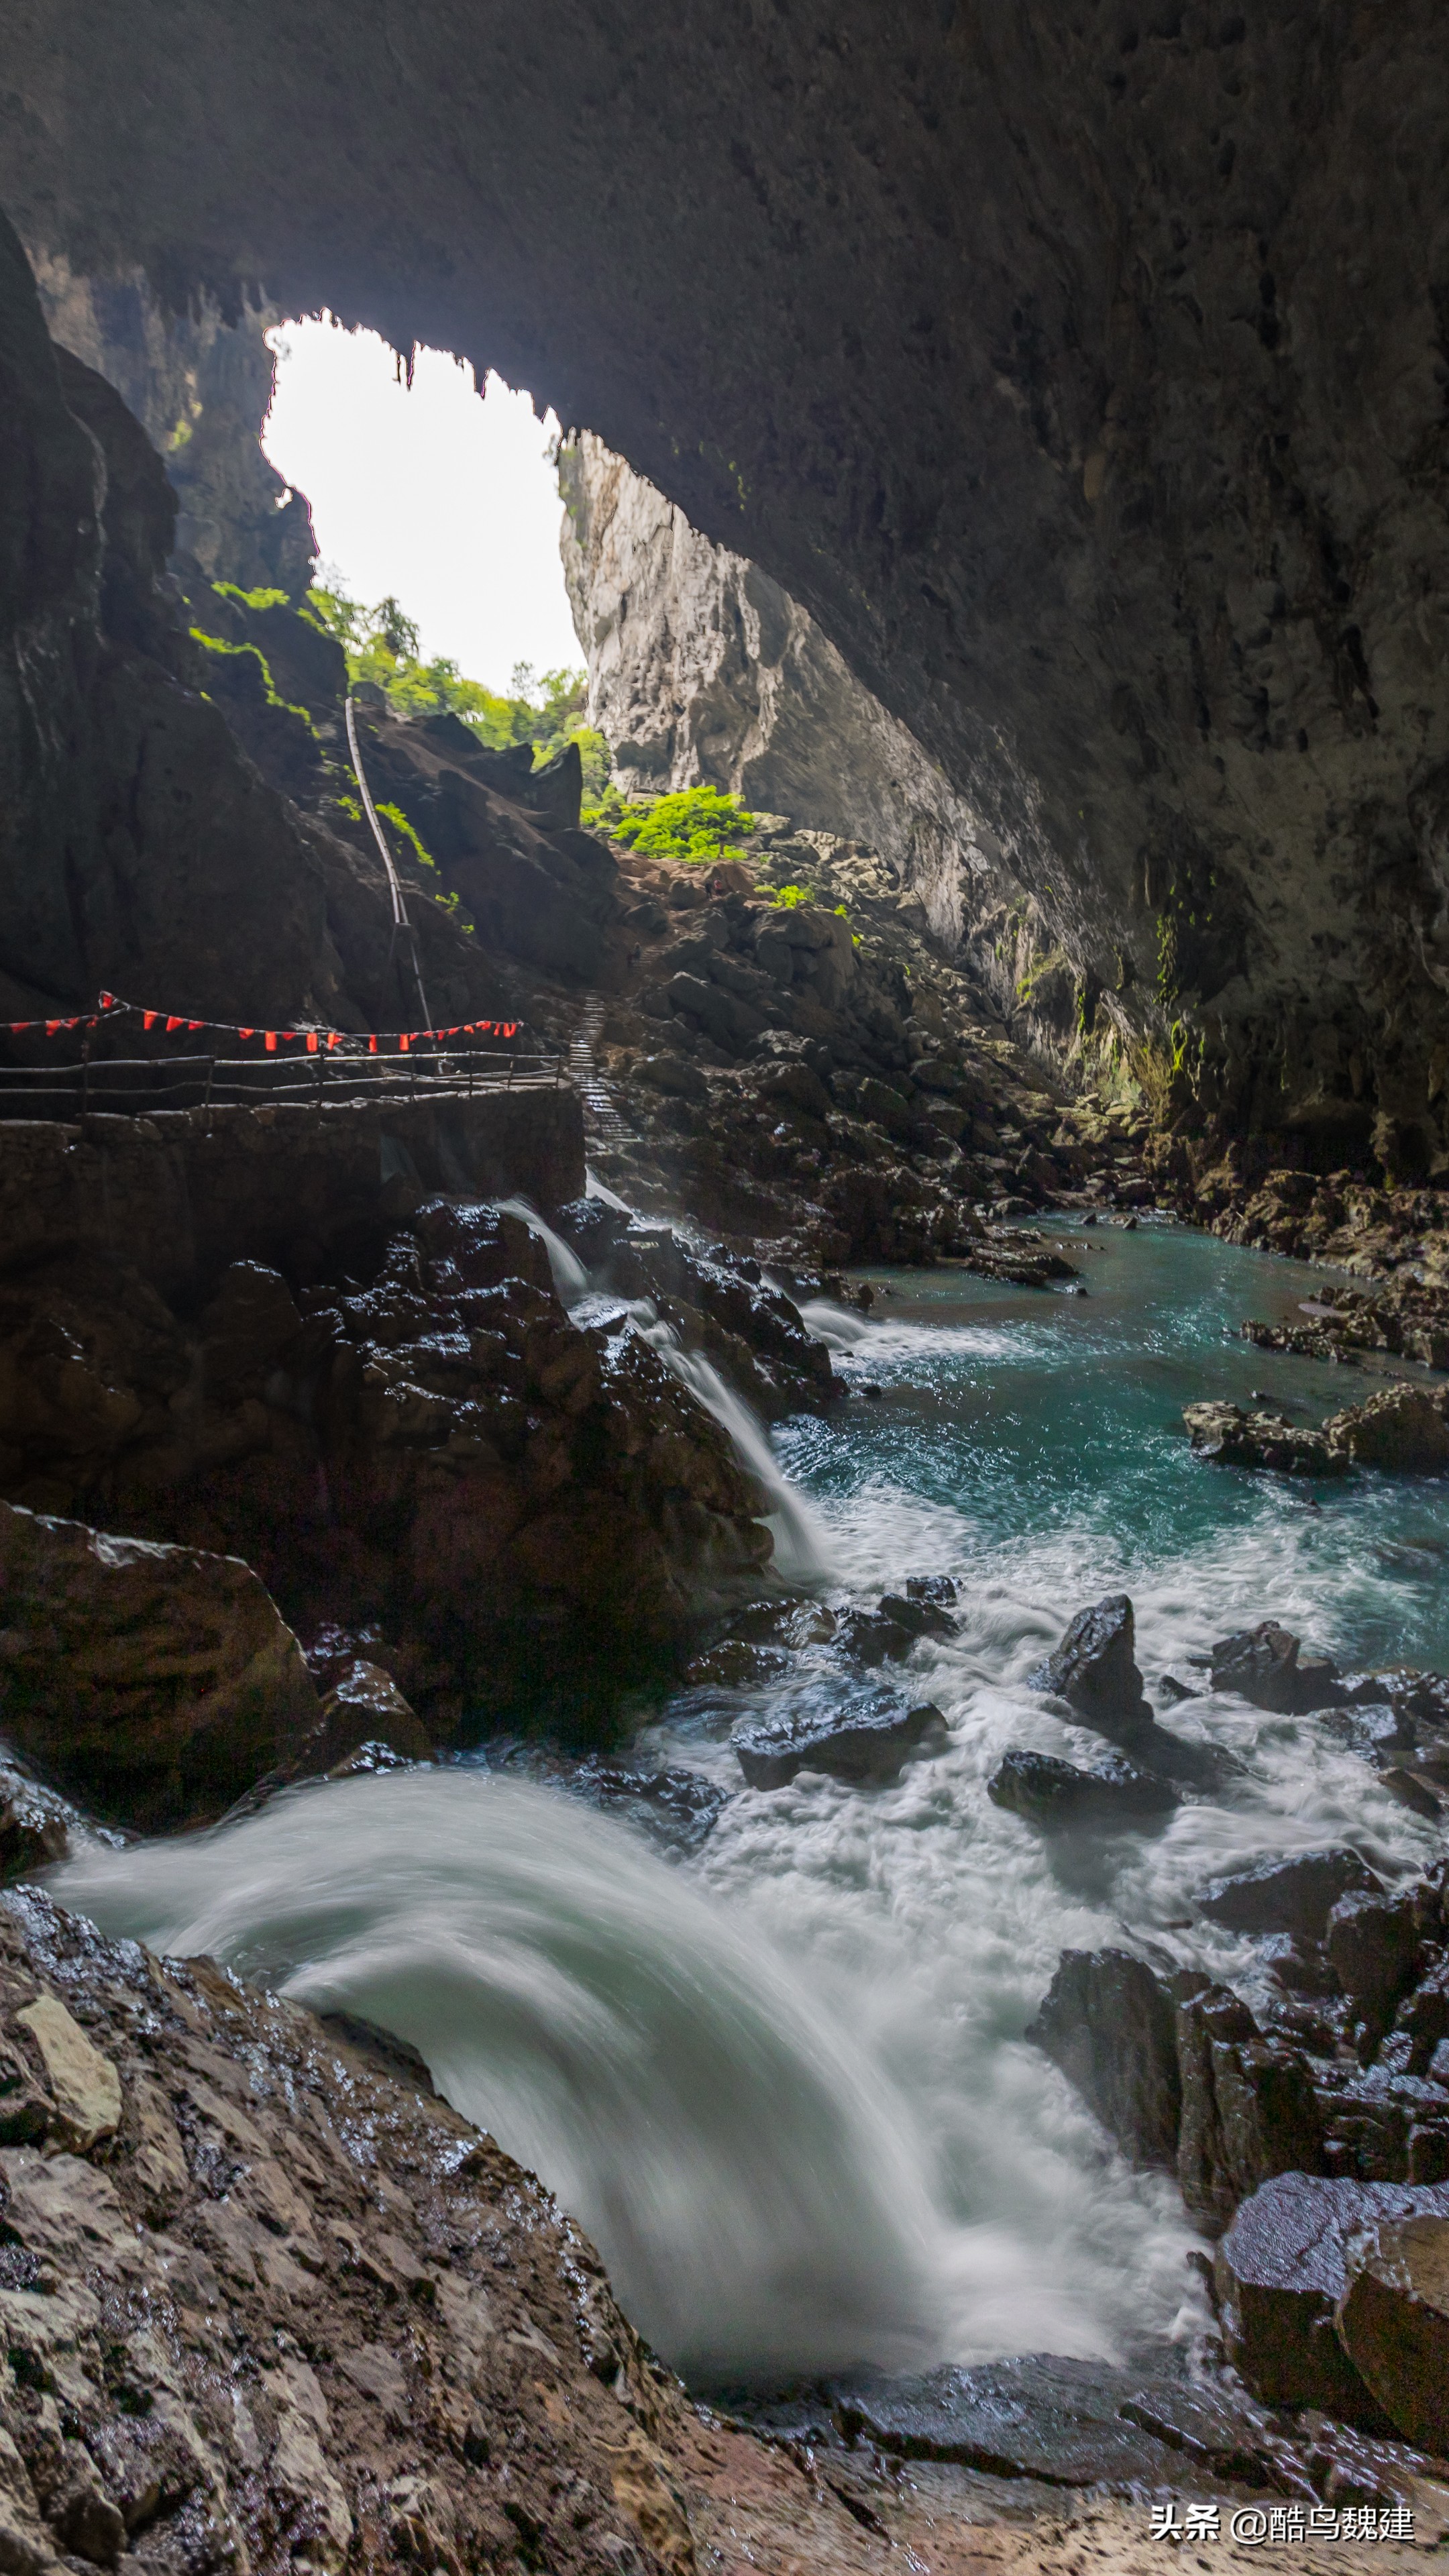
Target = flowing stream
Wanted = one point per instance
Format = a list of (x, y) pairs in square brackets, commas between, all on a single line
[(785, 2083)]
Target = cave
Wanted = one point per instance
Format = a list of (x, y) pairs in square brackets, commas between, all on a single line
[(1080, 374), (669, 1856)]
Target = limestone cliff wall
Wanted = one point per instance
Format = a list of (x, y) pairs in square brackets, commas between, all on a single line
[(201, 386), (702, 670)]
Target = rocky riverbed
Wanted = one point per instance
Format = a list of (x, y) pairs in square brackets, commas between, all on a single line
[(905, 1982)]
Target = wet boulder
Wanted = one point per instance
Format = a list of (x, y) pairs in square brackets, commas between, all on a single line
[(1040, 2416), (870, 1638), (678, 1809), (35, 1825), (1423, 2018), (1249, 2109), (1282, 2273), (1267, 1666), (1230, 1437), (1374, 1942), (1404, 1431), (1393, 2323), (863, 1736), (365, 1707), (1109, 2024), (156, 1682), (1295, 1896), (1095, 1671), (921, 1614), (1068, 2423), (1383, 2124), (1060, 1798)]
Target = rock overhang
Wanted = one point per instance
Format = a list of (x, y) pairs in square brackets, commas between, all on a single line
[(1081, 377)]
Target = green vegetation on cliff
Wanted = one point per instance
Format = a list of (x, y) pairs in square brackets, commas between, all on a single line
[(698, 824), (381, 645)]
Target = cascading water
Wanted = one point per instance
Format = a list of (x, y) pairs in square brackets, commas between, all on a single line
[(799, 1554), (570, 1277), (753, 2181), (785, 2083)]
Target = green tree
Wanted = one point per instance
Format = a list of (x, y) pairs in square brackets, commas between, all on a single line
[(382, 646)]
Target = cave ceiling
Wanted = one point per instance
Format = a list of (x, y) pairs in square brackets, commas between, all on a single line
[(1081, 369)]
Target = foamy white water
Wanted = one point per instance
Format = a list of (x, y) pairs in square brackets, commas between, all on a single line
[(787, 2086), (750, 2174)]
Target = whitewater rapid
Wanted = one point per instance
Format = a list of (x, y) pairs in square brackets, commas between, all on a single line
[(786, 2084), (751, 2175)]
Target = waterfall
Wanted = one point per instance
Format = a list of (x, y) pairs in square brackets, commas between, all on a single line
[(570, 1277), (800, 1554), (749, 2172)]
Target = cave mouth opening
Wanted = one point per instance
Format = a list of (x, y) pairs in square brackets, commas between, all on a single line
[(436, 511)]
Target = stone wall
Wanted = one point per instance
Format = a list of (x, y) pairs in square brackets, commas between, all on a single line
[(182, 1195)]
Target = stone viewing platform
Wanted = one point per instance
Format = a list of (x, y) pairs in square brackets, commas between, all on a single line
[(181, 1194)]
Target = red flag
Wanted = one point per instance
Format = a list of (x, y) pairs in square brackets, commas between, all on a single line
[(335, 1040), (51, 1026), (107, 1001), (311, 1041), (271, 1039), (149, 1019), (403, 1045), (372, 1046), (246, 1033), (196, 1024), (171, 1026)]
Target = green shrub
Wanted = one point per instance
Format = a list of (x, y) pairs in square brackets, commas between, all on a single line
[(250, 598), (694, 825), (394, 814), (251, 653)]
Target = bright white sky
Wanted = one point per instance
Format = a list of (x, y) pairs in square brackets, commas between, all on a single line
[(442, 498)]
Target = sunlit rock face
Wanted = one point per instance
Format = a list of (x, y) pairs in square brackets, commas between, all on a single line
[(702, 670), (1080, 372)]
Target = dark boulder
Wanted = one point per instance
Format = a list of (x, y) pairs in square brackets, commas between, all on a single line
[(920, 1614), (870, 1638), (1109, 2024), (860, 1735), (1374, 1942), (1294, 1896), (1423, 2018), (1094, 1670), (1393, 2322), (1384, 2125), (678, 1809), (1058, 1797), (1266, 1665), (591, 1228), (1067, 2423), (1249, 2108), (1281, 2274)]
